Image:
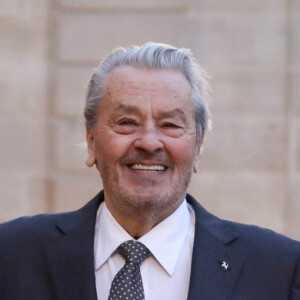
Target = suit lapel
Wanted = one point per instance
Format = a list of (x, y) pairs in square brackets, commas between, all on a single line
[(70, 254), (213, 245)]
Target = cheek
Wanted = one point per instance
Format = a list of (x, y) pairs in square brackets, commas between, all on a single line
[(182, 153), (113, 147)]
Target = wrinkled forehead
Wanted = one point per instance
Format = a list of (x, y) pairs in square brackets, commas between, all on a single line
[(127, 79)]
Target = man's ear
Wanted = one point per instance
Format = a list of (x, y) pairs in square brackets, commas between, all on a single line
[(91, 159), (195, 167)]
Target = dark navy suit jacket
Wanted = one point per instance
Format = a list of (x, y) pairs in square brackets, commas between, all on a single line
[(50, 257)]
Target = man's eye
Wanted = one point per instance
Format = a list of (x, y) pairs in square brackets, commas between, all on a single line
[(126, 126), (170, 125), (126, 122)]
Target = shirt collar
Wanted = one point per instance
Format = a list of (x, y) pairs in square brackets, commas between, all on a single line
[(165, 240), (108, 236)]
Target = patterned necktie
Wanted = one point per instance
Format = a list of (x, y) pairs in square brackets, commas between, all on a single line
[(127, 284)]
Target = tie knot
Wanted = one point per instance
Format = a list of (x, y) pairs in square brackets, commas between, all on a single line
[(133, 251)]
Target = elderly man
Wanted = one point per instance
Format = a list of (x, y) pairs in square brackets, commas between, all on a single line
[(143, 237)]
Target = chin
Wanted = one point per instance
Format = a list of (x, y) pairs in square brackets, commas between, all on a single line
[(149, 199), (129, 197)]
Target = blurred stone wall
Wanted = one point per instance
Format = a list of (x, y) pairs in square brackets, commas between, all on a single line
[(250, 168)]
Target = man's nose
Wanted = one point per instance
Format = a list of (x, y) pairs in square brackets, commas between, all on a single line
[(149, 140)]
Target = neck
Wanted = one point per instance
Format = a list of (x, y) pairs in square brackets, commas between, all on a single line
[(139, 221)]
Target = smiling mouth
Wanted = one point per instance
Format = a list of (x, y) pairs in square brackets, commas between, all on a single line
[(148, 167)]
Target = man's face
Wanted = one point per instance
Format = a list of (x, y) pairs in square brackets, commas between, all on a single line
[(144, 139)]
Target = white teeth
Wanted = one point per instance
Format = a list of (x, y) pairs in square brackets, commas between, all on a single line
[(152, 168)]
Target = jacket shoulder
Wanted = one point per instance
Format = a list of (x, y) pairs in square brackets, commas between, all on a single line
[(264, 240), (44, 226), (29, 228)]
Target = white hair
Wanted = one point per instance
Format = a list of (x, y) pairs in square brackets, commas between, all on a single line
[(151, 56)]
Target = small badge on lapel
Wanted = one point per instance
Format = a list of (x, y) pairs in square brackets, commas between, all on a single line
[(224, 265)]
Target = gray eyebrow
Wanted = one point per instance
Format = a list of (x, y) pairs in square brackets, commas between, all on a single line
[(120, 107), (127, 108), (172, 113)]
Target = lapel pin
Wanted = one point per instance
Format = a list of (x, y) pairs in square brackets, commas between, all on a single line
[(225, 265)]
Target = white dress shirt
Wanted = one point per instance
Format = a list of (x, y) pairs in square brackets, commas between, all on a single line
[(165, 274)]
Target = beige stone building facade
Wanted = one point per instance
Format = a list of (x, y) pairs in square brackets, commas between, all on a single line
[(250, 169)]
